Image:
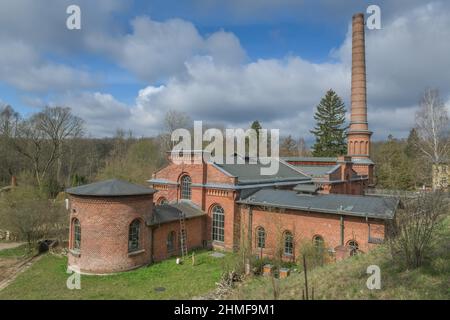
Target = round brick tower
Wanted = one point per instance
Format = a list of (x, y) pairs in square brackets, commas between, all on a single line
[(108, 227)]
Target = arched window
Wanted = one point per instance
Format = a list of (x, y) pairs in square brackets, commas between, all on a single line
[(318, 241), (186, 187), (76, 234), (218, 224), (133, 235), (162, 201), (261, 237), (288, 243), (171, 241), (354, 247)]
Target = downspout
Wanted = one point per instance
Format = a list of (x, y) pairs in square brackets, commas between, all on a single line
[(342, 230), (250, 226)]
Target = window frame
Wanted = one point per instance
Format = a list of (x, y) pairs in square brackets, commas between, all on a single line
[(76, 244), (186, 187), (355, 246), (260, 237), (218, 223), (162, 201), (288, 235), (134, 235), (318, 241)]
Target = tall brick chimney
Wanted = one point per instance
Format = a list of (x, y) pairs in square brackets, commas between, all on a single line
[(358, 134)]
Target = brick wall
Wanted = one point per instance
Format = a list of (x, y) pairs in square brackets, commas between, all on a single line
[(104, 232), (304, 226), (195, 231)]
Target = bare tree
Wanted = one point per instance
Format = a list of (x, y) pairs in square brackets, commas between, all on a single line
[(40, 138), (29, 214), (432, 125), (414, 230), (288, 147), (173, 120), (302, 148), (9, 119)]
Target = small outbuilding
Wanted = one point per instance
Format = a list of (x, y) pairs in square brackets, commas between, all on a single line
[(108, 227)]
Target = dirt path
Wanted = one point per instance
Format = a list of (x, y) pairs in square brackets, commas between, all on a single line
[(10, 268), (10, 245)]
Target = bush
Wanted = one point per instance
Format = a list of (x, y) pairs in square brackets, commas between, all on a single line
[(27, 212), (316, 255), (414, 232)]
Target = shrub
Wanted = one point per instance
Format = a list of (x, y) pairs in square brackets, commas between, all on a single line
[(415, 230)]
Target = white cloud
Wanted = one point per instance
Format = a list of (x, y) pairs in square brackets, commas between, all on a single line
[(209, 76), (21, 67), (156, 51)]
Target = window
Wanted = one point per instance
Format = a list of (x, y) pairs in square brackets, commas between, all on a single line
[(288, 244), (318, 241), (186, 187), (218, 224), (162, 201), (261, 237), (76, 234), (171, 241), (354, 246), (133, 236)]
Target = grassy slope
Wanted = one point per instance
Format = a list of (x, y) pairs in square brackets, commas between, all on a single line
[(18, 252), (347, 279), (46, 279)]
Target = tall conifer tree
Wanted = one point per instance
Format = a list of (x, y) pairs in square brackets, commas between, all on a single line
[(330, 129)]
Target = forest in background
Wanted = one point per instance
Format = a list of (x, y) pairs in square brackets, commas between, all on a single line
[(52, 151)]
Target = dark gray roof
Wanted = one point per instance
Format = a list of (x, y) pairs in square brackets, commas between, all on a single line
[(362, 161), (171, 212), (316, 171), (110, 188), (308, 188), (311, 159), (372, 207), (249, 173)]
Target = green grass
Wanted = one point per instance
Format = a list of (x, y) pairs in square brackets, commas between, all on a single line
[(46, 279), (18, 252), (347, 279)]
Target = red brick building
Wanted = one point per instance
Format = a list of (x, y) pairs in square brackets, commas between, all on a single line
[(117, 226)]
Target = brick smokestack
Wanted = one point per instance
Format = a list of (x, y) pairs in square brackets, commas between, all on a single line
[(359, 134)]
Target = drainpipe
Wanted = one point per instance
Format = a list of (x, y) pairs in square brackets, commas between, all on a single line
[(342, 230), (250, 226)]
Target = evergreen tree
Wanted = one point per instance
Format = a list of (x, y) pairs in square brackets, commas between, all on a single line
[(330, 130), (255, 126)]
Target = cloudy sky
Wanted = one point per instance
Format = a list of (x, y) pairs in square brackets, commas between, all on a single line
[(225, 62)]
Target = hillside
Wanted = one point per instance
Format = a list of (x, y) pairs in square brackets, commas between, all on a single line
[(347, 279)]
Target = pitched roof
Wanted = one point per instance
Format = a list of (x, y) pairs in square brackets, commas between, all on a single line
[(110, 188), (249, 173), (315, 171), (171, 212), (311, 159), (363, 206)]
